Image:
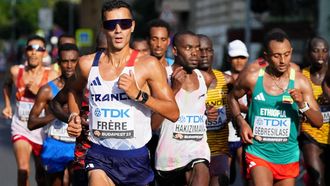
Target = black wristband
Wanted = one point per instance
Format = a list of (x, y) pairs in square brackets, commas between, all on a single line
[(138, 96)]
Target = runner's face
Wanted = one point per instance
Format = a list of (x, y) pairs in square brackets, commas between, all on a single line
[(206, 54), (68, 62), (279, 55), (34, 57), (142, 46), (238, 63), (159, 41), (118, 38), (187, 51), (319, 52)]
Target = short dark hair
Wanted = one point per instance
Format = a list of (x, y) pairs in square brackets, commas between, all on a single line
[(205, 37), (314, 39), (159, 23), (114, 4), (276, 34), (177, 36), (67, 47), (63, 36), (36, 37), (137, 39)]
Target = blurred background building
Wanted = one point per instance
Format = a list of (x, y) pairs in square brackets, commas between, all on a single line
[(222, 20)]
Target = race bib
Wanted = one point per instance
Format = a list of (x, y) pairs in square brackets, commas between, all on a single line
[(268, 129), (220, 122), (58, 130), (190, 127), (325, 109), (113, 122), (24, 109)]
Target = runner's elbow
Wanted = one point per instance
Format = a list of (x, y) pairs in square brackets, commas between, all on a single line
[(174, 115), (31, 126), (318, 124)]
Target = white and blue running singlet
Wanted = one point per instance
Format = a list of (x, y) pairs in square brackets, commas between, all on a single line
[(116, 121)]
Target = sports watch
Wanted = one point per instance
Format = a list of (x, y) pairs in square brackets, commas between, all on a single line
[(144, 96), (306, 107)]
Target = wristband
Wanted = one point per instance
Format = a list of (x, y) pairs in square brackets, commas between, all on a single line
[(138, 96), (235, 117), (306, 107), (73, 114)]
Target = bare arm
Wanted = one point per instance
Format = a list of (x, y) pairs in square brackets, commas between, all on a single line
[(56, 104), (75, 93), (7, 88), (161, 99), (243, 84), (303, 93), (44, 95)]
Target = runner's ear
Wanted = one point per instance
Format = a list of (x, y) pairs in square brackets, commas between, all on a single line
[(175, 51)]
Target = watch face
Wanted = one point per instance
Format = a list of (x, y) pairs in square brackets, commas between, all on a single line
[(145, 97)]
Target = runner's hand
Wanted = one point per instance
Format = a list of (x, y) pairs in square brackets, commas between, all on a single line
[(246, 133), (297, 96), (127, 83), (7, 113), (178, 77), (74, 126), (211, 113)]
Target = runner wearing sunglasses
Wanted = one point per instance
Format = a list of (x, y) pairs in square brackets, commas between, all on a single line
[(124, 87), (27, 79)]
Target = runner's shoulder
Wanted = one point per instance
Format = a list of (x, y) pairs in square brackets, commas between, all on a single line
[(85, 62)]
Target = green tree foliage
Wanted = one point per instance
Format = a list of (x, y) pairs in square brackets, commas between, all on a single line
[(20, 16)]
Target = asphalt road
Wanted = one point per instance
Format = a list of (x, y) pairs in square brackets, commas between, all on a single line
[(8, 176)]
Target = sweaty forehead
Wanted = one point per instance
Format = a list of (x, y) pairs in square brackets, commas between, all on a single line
[(69, 54), (36, 42), (279, 47), (117, 13), (159, 31), (319, 43), (188, 40), (205, 43)]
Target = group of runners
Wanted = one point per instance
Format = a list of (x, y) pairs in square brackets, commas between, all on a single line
[(123, 117)]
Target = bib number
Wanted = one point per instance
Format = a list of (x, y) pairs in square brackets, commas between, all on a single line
[(58, 130), (24, 109), (190, 127), (220, 122), (113, 123), (267, 129)]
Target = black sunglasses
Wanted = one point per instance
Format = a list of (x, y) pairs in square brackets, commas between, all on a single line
[(35, 47), (123, 23)]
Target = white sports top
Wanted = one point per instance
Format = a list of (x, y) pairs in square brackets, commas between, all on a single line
[(184, 140), (116, 121)]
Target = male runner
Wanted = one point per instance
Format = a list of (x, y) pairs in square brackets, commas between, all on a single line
[(182, 154), (216, 104), (27, 80), (279, 93), (124, 87), (315, 141), (58, 147)]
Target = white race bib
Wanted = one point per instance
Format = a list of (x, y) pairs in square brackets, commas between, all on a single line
[(113, 122), (268, 129), (58, 130), (24, 108), (189, 127), (220, 122)]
